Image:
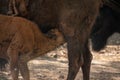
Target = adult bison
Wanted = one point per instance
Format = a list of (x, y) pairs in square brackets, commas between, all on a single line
[(74, 18)]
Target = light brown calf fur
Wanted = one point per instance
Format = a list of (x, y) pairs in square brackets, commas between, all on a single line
[(21, 41)]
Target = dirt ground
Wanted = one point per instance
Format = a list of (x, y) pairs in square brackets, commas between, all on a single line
[(54, 65)]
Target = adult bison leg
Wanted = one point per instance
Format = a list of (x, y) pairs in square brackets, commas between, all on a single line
[(75, 39), (76, 27), (87, 62), (78, 56), (75, 57)]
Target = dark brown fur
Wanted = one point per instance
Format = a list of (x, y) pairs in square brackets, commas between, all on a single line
[(21, 41), (74, 18)]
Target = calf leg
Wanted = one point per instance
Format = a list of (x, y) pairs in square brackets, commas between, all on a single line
[(24, 70), (13, 55)]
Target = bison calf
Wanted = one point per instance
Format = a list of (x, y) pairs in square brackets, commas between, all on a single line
[(21, 41)]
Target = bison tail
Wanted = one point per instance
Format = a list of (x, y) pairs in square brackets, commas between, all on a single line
[(3, 63)]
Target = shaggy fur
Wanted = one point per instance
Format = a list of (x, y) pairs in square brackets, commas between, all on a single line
[(21, 41)]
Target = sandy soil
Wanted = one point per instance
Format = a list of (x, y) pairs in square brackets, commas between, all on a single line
[(54, 65)]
